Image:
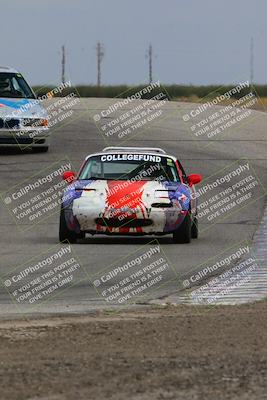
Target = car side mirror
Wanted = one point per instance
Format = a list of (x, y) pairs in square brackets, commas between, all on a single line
[(194, 179), (69, 176)]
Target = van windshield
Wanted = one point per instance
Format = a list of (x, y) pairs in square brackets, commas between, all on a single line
[(13, 85)]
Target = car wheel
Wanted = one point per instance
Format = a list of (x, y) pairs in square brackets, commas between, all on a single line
[(64, 232), (194, 229), (183, 233), (41, 149)]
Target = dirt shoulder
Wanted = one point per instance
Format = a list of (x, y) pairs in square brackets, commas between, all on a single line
[(162, 353)]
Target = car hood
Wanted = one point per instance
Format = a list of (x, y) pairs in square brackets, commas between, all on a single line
[(119, 194), (21, 108)]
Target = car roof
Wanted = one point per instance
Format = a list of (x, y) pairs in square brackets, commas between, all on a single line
[(133, 150), (117, 149), (8, 69)]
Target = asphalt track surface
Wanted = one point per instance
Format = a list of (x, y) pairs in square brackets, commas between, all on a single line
[(79, 137)]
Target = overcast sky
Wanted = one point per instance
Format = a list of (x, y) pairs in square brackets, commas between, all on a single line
[(195, 41)]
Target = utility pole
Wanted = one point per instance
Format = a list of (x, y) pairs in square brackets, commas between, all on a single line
[(99, 55), (251, 62), (150, 61), (63, 64)]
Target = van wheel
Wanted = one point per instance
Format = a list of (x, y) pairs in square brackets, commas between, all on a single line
[(194, 229), (41, 149), (183, 233), (64, 232)]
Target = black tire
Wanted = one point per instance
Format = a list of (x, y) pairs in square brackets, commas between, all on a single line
[(64, 232), (194, 229), (183, 233), (41, 149)]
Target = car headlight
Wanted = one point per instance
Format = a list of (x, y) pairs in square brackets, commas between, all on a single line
[(44, 122), (34, 122)]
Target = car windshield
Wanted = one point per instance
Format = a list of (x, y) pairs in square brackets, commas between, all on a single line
[(130, 167), (13, 85)]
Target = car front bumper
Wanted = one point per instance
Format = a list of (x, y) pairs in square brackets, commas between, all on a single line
[(152, 221), (24, 138)]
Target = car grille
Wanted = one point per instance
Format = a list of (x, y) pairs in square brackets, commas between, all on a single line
[(125, 222), (16, 141), (162, 205), (9, 123), (32, 122)]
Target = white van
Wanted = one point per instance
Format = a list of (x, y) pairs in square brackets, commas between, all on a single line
[(23, 120)]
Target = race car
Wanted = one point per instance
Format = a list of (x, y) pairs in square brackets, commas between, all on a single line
[(129, 191), (23, 120)]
